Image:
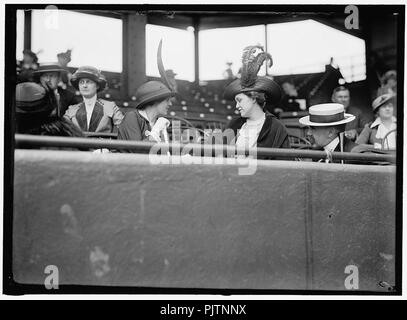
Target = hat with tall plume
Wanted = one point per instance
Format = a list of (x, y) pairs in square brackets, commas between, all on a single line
[(252, 59), (155, 90)]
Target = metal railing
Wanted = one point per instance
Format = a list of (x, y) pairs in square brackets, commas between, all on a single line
[(23, 140)]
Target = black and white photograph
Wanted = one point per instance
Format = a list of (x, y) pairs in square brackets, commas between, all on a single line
[(238, 149)]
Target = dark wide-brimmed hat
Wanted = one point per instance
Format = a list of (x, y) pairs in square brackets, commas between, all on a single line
[(326, 115), (31, 98), (48, 67), (381, 100), (89, 73), (252, 60), (262, 84), (152, 91)]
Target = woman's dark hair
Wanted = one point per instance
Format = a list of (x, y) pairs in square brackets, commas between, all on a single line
[(260, 97), (151, 103)]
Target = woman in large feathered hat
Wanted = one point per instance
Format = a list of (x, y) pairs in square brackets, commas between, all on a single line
[(256, 127), (153, 99)]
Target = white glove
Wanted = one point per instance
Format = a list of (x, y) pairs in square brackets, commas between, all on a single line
[(103, 150), (159, 127), (161, 124)]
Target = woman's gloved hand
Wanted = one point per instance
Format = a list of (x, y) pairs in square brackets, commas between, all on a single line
[(160, 127)]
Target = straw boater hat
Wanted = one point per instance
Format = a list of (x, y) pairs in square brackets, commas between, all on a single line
[(381, 100), (155, 90), (252, 59), (90, 73), (326, 114)]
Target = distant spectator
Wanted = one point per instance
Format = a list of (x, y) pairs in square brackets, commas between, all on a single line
[(171, 79), (34, 106), (228, 73), (27, 66), (341, 95), (381, 133), (93, 114), (389, 85), (289, 101), (49, 75)]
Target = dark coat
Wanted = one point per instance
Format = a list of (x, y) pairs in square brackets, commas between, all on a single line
[(106, 116), (361, 119), (67, 98), (348, 145), (133, 127), (40, 124), (273, 134)]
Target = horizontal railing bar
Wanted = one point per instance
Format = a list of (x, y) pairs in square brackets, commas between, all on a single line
[(100, 134), (218, 149)]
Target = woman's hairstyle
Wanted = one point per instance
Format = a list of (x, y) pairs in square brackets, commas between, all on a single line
[(260, 97), (151, 103)]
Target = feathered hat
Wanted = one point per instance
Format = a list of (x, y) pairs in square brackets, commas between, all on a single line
[(155, 90), (65, 55), (252, 60)]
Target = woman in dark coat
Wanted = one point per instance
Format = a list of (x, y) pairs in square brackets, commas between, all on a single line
[(256, 127), (34, 106), (147, 122)]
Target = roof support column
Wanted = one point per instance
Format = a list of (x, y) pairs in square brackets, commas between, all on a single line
[(134, 52), (196, 25)]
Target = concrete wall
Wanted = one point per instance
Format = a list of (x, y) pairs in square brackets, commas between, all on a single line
[(115, 219)]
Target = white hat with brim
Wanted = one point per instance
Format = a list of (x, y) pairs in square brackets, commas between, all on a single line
[(326, 115)]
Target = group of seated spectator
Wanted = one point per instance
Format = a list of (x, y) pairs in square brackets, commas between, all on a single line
[(45, 107)]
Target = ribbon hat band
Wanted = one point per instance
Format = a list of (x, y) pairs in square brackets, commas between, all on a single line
[(327, 118)]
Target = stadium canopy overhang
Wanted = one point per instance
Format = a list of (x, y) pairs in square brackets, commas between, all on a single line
[(224, 17)]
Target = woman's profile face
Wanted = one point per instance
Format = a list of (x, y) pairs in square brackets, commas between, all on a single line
[(163, 106), (244, 104), (386, 111)]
